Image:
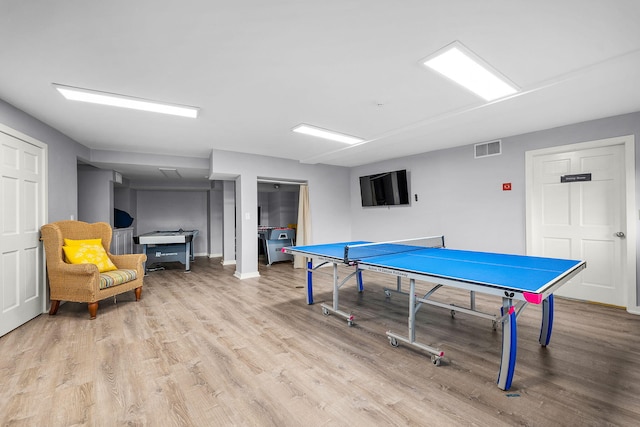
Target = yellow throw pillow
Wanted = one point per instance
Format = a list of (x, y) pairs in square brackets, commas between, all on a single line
[(89, 254), (69, 242)]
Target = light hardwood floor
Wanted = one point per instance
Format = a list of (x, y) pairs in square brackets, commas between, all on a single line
[(206, 349)]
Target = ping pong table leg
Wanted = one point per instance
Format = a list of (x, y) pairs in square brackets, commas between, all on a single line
[(309, 281), (359, 280), (336, 289), (547, 321), (412, 310), (436, 354), (509, 345)]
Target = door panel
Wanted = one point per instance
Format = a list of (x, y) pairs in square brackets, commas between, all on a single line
[(600, 276), (556, 205), (579, 220), (21, 214)]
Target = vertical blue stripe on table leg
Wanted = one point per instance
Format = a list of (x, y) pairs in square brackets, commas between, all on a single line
[(309, 282), (359, 280)]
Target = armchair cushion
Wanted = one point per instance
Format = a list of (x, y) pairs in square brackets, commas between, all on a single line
[(89, 254), (116, 277)]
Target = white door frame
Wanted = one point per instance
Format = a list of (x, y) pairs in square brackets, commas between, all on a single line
[(630, 204), (44, 207)]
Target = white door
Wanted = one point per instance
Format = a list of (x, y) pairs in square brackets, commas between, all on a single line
[(21, 215), (577, 211)]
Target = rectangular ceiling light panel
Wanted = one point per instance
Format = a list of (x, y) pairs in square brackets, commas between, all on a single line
[(326, 134), (123, 101), (459, 64)]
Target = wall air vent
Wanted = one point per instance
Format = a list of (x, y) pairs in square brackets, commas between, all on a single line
[(170, 173), (486, 149)]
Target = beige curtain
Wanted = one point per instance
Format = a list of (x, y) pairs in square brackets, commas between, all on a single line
[(303, 233)]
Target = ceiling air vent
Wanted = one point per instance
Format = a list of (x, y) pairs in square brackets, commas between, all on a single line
[(485, 149)]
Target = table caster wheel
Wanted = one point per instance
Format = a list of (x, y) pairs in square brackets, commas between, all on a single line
[(393, 342), (387, 293), (453, 314), (435, 360), (325, 311), (350, 320), (494, 325)]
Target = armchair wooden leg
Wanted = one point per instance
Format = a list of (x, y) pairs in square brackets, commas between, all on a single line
[(55, 304), (93, 310), (138, 292)]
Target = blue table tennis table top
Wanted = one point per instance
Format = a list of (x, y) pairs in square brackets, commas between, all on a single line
[(519, 273)]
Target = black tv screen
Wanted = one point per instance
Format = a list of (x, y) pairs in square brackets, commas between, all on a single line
[(385, 189)]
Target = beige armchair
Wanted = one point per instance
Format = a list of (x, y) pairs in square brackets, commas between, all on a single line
[(83, 282)]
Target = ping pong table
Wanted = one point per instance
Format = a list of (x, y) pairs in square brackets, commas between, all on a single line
[(519, 280)]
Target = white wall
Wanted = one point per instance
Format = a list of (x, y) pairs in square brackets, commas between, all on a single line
[(174, 210)]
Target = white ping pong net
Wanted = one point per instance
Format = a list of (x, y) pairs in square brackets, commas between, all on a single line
[(353, 253)]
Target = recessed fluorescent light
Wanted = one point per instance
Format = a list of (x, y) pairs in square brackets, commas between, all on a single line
[(326, 134), (467, 69), (115, 100)]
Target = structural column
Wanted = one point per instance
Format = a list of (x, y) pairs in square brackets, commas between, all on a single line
[(246, 226), (228, 222)]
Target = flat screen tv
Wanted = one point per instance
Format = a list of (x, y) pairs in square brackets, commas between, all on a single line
[(385, 189)]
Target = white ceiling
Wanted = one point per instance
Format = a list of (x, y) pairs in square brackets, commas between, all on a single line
[(258, 68)]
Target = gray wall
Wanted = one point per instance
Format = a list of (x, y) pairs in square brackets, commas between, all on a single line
[(278, 208), (329, 196), (462, 198), (95, 195), (173, 210), (283, 208), (328, 199), (63, 154), (216, 204), (125, 199), (459, 196)]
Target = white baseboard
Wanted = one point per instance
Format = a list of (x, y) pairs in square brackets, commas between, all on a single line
[(634, 310), (243, 276), (228, 262)]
